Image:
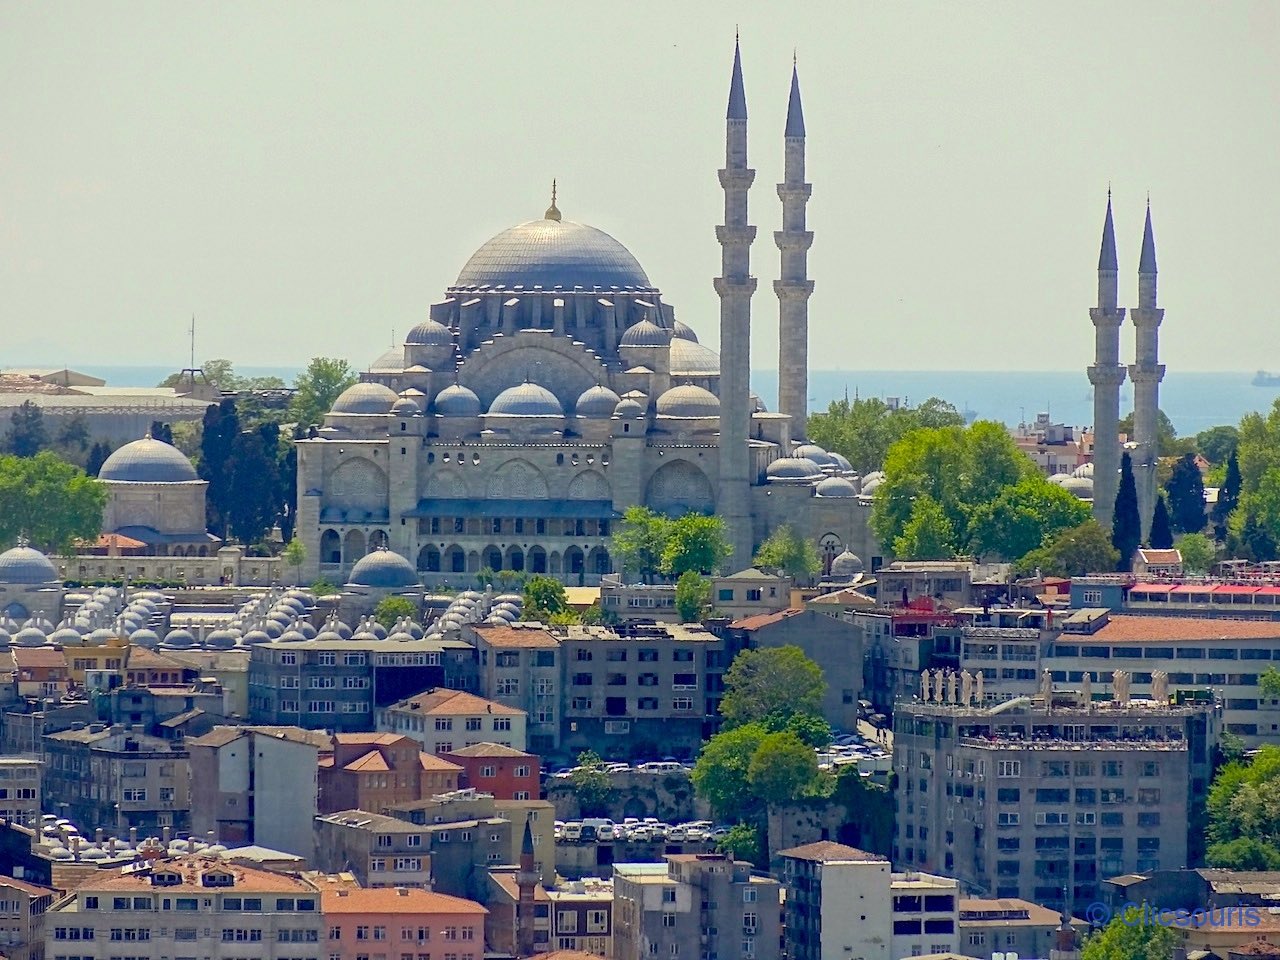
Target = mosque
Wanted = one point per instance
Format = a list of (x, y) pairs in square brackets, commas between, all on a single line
[(552, 387)]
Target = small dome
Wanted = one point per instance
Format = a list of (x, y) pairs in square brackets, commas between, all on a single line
[(404, 407), (646, 333), (101, 635), (457, 401), (29, 637), (682, 331), (793, 468), (836, 487), (691, 359), (811, 451), (628, 409), (255, 636), (1081, 487), (871, 481), (365, 398), (1084, 470), (526, 400), (599, 401), (841, 461), (63, 637), (1060, 479), (430, 333), (688, 401), (846, 566), (179, 638), (384, 569), (148, 461), (25, 565), (144, 638), (390, 362), (222, 639)]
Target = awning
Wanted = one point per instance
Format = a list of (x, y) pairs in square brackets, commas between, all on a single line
[(1234, 590), (548, 509), (1187, 588), (1151, 588)]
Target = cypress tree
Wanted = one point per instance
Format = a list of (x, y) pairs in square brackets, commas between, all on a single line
[(1126, 524), (1228, 497), (1161, 531), (1185, 490)]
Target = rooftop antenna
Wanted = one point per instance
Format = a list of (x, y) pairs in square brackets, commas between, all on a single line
[(193, 343)]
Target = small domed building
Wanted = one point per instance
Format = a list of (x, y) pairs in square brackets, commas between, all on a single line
[(30, 586), (379, 574), (155, 497)]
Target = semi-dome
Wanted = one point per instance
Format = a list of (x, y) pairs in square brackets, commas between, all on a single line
[(682, 331), (841, 461), (383, 569), (836, 487), (365, 398), (553, 253), (691, 359), (811, 451), (430, 333), (148, 461), (457, 401), (688, 401), (526, 400), (598, 401), (25, 565), (793, 468), (1059, 479), (646, 333), (846, 566)]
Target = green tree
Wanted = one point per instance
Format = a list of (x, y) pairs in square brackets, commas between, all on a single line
[(1126, 525), (786, 552), (1228, 497), (161, 431), (864, 430), (50, 501), (1198, 552), (693, 596), (697, 543), (1244, 802), (27, 434), (811, 729), (720, 774), (1072, 553), (253, 497), (591, 785), (771, 682), (318, 387), (294, 554), (544, 598), (391, 609), (98, 454), (1248, 533), (783, 769), (221, 427), (323, 588), (639, 542), (1218, 444), (1269, 683), (1185, 490), (1023, 517), (1161, 536), (928, 534), (73, 438), (1258, 449), (742, 842), (1243, 853), (1129, 938), (1167, 443)]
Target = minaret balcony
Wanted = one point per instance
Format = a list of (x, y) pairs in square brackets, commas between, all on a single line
[(1153, 374), (741, 286), (1106, 375), (793, 240), (793, 289), (739, 177), (795, 191), (735, 235)]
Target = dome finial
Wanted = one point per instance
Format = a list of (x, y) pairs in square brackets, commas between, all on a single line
[(553, 212)]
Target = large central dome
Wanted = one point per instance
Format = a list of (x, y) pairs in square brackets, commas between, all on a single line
[(553, 253)]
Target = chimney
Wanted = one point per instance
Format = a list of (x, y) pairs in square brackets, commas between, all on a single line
[(133, 837), (402, 891), (111, 846), (98, 835), (164, 835)]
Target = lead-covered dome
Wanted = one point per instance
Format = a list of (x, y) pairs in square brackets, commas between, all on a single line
[(811, 451), (148, 461), (793, 468), (365, 398), (553, 253), (691, 359), (846, 566), (384, 569), (836, 487), (25, 565), (682, 331), (598, 401), (646, 333), (457, 401), (430, 333), (526, 400), (688, 401)]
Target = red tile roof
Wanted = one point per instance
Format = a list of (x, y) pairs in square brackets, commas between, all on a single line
[(517, 636), (765, 619), (1129, 629), (371, 762), (828, 850), (38, 657), (247, 879), (456, 703), (489, 750), (399, 900), (432, 764)]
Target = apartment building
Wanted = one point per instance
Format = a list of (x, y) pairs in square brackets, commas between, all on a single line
[(582, 916), (519, 666), (442, 720), (401, 922), (926, 915), (378, 850), (838, 903), (376, 771), (23, 906), (736, 596), (256, 785), (1034, 795), (228, 912), (20, 790), (505, 772), (899, 643), (695, 905), (640, 691), (118, 778), (1011, 926), (40, 672)]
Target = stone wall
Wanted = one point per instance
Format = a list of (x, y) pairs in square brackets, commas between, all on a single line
[(667, 796)]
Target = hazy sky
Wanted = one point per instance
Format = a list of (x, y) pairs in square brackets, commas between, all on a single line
[(308, 177)]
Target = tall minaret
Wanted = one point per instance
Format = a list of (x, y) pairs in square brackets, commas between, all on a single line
[(1106, 375), (1146, 374), (794, 286), (735, 285)]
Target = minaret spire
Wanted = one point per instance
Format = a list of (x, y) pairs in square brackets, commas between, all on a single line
[(1146, 374), (1106, 374), (793, 286), (735, 286), (553, 212)]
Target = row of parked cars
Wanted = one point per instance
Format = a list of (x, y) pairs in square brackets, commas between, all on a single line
[(636, 830), (665, 765), (850, 749)]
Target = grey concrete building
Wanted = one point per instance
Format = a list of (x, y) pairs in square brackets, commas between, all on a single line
[(379, 850), (519, 666), (20, 790)]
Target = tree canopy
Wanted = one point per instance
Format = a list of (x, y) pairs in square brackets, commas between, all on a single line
[(771, 683), (318, 387), (1244, 805), (391, 609), (1217, 444), (696, 543), (639, 541), (863, 430), (49, 501), (1167, 442), (544, 598), (786, 552), (721, 773), (1130, 938), (1198, 552), (1161, 536), (693, 596), (1126, 523), (591, 785), (783, 769), (1185, 491), (1023, 516), (27, 434), (1085, 548)]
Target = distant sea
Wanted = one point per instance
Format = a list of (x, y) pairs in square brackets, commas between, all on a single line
[(1193, 401)]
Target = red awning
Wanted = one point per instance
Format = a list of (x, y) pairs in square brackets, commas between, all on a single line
[(1151, 588), (1268, 592), (1234, 590), (1193, 588)]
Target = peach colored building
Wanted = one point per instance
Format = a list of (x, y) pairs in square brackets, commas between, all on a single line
[(397, 922), (376, 771), (507, 773)]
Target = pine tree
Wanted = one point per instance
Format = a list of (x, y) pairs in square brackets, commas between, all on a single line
[(98, 454), (1126, 525), (28, 435), (1185, 490), (1228, 497), (221, 427), (1161, 531)]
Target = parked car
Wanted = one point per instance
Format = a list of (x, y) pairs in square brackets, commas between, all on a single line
[(573, 831)]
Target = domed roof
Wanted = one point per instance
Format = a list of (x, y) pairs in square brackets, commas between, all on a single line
[(148, 461), (1081, 487), (365, 398), (457, 401), (688, 401), (836, 487), (598, 401), (25, 565), (384, 569), (792, 468), (846, 566), (526, 400), (1084, 470), (841, 461), (628, 409), (646, 333), (392, 361), (811, 451), (405, 407), (682, 331), (430, 333), (1060, 479), (553, 253), (871, 481), (690, 358)]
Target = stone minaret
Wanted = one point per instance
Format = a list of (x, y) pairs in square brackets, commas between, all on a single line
[(794, 286), (526, 884), (1106, 374), (1146, 373), (735, 285)]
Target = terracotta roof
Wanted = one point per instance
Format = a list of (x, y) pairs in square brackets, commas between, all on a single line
[(117, 541), (190, 869), (1122, 629), (385, 739), (31, 889), (432, 763), (1159, 556), (220, 736), (488, 750), (506, 882), (765, 619), (38, 657), (455, 703), (983, 913), (828, 850), (513, 636), (1256, 948), (396, 900), (142, 658), (371, 762)]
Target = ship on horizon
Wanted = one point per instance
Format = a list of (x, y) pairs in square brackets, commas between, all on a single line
[(1264, 379)]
